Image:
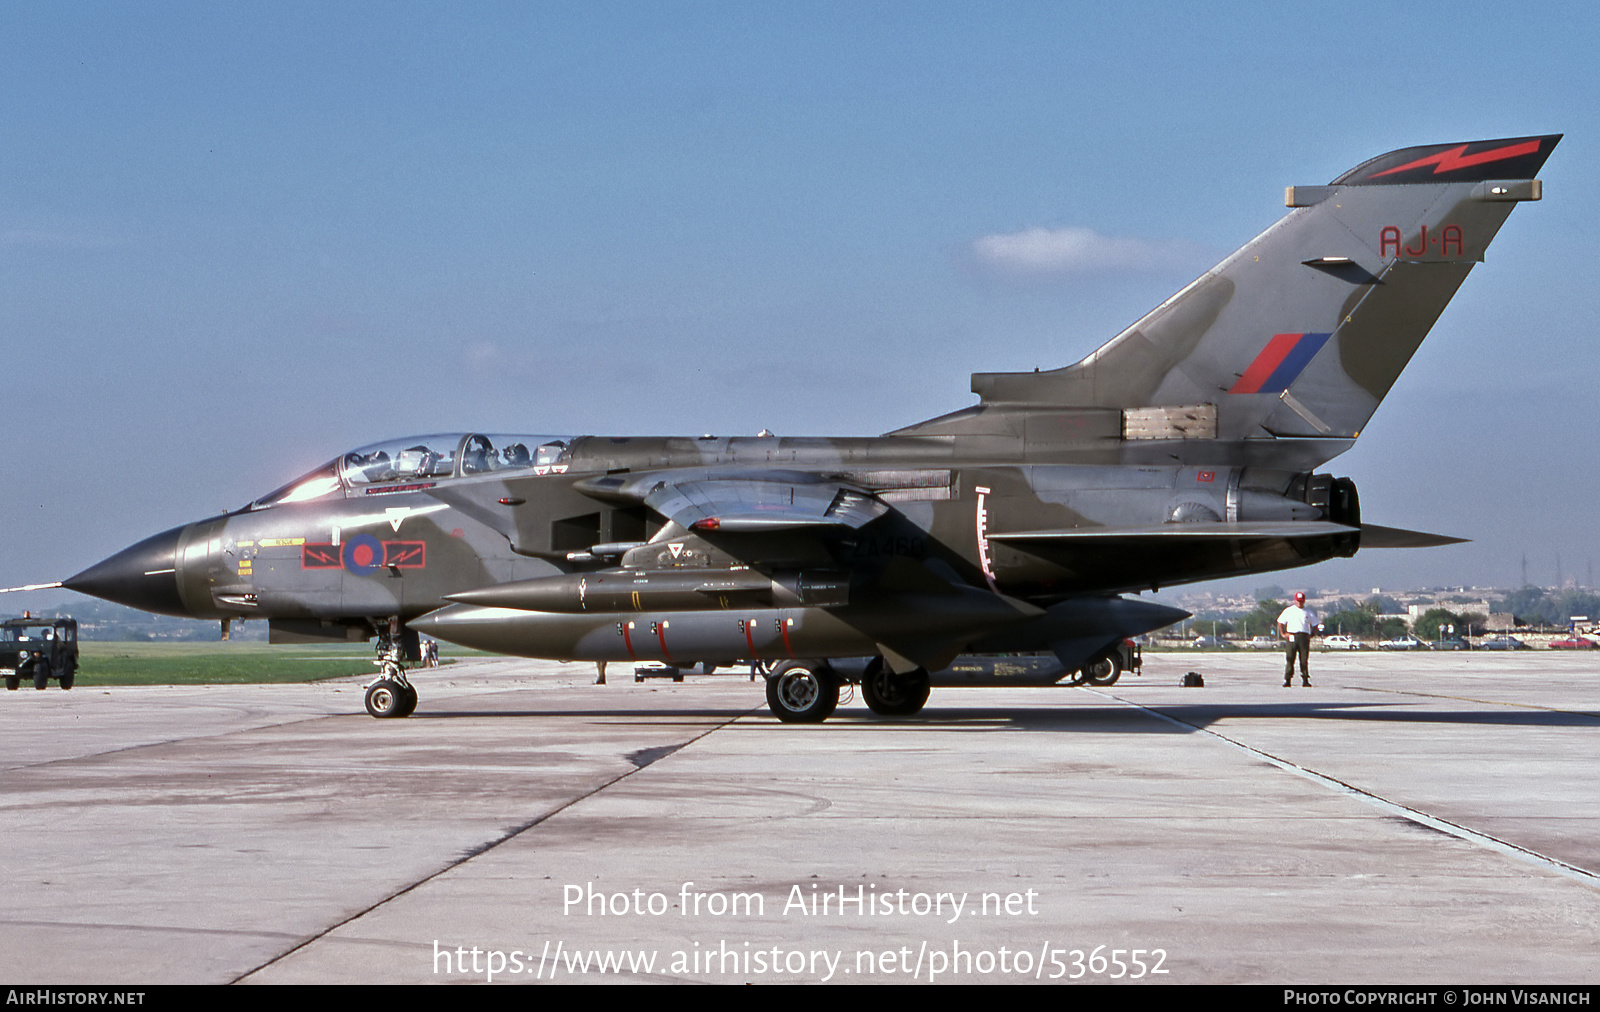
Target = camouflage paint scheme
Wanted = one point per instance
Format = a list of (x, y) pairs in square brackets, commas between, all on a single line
[(1182, 450)]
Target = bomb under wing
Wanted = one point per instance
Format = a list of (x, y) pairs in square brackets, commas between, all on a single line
[(1184, 449)]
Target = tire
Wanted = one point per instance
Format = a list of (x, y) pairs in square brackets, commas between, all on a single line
[(802, 692), (41, 675), (890, 695), (13, 682), (1103, 670), (386, 699), (68, 678), (409, 703)]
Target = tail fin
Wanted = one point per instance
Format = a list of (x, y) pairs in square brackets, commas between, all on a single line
[(1303, 331)]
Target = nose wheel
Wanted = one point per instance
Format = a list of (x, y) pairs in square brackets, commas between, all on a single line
[(391, 694), (390, 698)]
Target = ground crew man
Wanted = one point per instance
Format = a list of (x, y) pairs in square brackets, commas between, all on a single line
[(1295, 625)]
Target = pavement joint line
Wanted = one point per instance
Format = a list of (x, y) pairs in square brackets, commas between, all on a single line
[(168, 929), (1473, 699), (305, 718), (1383, 804), (169, 741), (483, 849)]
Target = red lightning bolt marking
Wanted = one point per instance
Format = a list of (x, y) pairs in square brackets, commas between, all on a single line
[(1457, 158)]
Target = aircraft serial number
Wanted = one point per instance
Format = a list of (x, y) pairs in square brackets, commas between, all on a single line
[(869, 547)]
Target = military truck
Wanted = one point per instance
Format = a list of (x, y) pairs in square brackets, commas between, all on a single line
[(39, 648)]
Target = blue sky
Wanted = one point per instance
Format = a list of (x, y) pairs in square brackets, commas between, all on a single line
[(238, 239)]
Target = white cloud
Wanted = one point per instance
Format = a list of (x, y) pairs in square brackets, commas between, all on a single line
[(484, 354), (1073, 250)]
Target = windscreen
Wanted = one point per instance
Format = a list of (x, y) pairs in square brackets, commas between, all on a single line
[(423, 459)]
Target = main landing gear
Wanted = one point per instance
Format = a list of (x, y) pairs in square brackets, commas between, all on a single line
[(803, 692), (1103, 670), (890, 695), (807, 692), (391, 694)]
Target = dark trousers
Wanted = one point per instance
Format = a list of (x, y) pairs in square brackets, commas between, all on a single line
[(1299, 643)]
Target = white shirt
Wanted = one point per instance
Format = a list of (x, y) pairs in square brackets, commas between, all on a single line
[(1296, 619)]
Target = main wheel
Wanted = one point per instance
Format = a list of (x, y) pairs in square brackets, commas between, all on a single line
[(802, 692), (1103, 670), (41, 674), (890, 695), (386, 699)]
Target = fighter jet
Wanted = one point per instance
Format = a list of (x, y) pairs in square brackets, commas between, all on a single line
[(1184, 449)]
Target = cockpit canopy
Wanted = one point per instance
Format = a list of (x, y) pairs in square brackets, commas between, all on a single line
[(399, 464)]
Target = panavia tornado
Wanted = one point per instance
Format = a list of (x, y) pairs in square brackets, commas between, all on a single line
[(1184, 449)]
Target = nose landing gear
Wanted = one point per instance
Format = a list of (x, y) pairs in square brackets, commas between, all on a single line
[(391, 694)]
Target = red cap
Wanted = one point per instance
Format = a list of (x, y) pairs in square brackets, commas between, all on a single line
[(1299, 597)]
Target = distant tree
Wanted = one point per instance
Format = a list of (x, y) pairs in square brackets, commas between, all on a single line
[(1352, 622), (1477, 622), (1428, 625), (1532, 606), (1264, 620), (1572, 602), (1271, 593), (1392, 628)]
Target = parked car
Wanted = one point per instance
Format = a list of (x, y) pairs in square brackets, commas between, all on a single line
[(1341, 642), (1211, 643), (1450, 643), (1403, 643), (1265, 643), (1502, 643), (1573, 643)]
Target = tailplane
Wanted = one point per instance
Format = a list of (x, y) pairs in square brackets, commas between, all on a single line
[(1302, 332)]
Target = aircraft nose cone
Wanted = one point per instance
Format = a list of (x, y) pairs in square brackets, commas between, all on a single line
[(143, 576)]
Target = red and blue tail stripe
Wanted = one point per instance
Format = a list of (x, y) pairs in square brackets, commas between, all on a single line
[(1280, 363)]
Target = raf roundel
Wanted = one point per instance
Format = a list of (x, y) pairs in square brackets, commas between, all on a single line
[(363, 554)]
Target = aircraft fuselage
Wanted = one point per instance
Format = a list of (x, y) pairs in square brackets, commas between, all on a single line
[(361, 554)]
